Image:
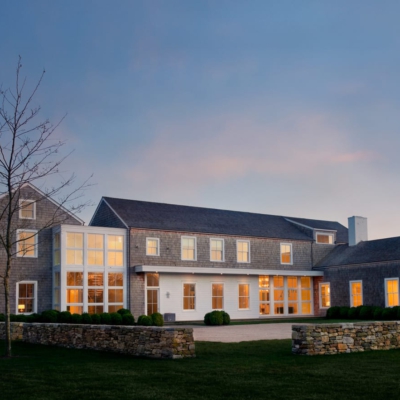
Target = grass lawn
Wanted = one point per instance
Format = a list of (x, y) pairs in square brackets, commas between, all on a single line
[(247, 370)]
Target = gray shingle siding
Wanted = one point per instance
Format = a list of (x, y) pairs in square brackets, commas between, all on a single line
[(105, 216)]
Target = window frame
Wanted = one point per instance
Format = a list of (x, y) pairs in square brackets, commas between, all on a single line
[(158, 246), (386, 292), (248, 296), (351, 292), (237, 251), (75, 249), (291, 253), (183, 297), (223, 295), (332, 235), (20, 209), (114, 251), (320, 295), (35, 246), (35, 284), (223, 249), (195, 248)]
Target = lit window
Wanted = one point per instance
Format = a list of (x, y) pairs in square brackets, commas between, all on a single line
[(26, 303), (75, 292), (356, 293), (152, 292), (325, 293), (95, 249), (217, 296), (263, 292), (152, 246), (95, 292), (217, 249), (392, 292), (305, 284), (188, 248), (244, 296), (189, 296), (286, 253), (74, 248), (243, 251), (279, 295), (115, 251), (27, 243), (292, 288), (115, 291), (27, 209), (325, 238)]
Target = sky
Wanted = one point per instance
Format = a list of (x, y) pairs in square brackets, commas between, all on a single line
[(279, 107)]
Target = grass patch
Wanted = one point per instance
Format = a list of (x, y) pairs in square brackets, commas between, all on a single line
[(247, 370)]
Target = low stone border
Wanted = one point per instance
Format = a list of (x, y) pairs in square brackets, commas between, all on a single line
[(154, 342), (345, 338)]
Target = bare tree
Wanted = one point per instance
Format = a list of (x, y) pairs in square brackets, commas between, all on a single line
[(29, 154)]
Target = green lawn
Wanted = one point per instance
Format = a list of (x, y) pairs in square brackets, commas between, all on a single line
[(248, 370)]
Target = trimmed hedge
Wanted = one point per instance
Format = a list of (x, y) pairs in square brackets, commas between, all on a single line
[(144, 320), (217, 318), (158, 319), (364, 313)]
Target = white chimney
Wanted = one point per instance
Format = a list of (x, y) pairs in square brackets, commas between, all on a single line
[(358, 231)]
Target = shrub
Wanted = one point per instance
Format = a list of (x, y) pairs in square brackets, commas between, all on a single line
[(128, 319), (64, 317), (207, 319), (76, 319), (124, 311), (226, 319), (33, 318), (18, 318), (144, 320), (353, 313), (333, 312), (377, 313), (2, 317), (49, 316), (395, 312), (344, 312), (389, 313), (158, 319), (366, 312), (105, 318), (86, 318), (116, 318), (96, 319)]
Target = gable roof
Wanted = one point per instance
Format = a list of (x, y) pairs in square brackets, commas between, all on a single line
[(171, 217), (371, 251)]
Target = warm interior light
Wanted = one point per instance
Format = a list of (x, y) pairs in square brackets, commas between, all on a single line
[(21, 307)]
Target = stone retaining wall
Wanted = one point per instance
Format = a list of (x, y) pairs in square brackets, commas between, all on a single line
[(345, 338), (154, 342)]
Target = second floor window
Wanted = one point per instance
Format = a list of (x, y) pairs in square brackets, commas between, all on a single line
[(243, 251), (95, 249), (152, 246), (217, 249), (286, 253), (74, 248), (27, 243), (188, 248), (115, 251), (27, 209)]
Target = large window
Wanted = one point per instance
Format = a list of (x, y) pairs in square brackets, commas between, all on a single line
[(74, 248), (26, 297), (152, 292), (75, 292), (189, 296), (356, 295), (217, 296), (27, 209), (392, 292), (264, 291), (95, 249), (115, 251), (243, 251), (244, 296), (279, 295), (188, 245), (325, 238), (286, 253), (293, 295), (26, 243), (305, 287), (325, 294), (95, 292), (217, 249), (115, 291), (152, 246)]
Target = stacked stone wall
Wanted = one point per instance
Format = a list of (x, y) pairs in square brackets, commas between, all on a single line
[(153, 342), (345, 338)]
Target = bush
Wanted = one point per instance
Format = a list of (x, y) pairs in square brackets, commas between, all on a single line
[(105, 318), (158, 319), (96, 319), (226, 319), (86, 318), (76, 319), (128, 319), (389, 313), (124, 311), (144, 320), (333, 312), (17, 318), (395, 312), (344, 312), (116, 318), (2, 317), (377, 313), (366, 312), (353, 313), (214, 318), (33, 318), (64, 317), (49, 316), (207, 319)]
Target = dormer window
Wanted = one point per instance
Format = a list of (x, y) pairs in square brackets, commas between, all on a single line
[(325, 238), (27, 209)]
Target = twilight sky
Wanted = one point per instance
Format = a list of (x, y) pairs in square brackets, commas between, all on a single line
[(278, 107)]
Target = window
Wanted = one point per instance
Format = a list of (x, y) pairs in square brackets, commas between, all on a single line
[(26, 297), (325, 238), (188, 248), (189, 296), (325, 293), (392, 292), (95, 292), (356, 296), (115, 291), (56, 291), (293, 295), (305, 287), (95, 249), (75, 292), (217, 296), (217, 249), (152, 247), (74, 248), (115, 251), (56, 246), (279, 295), (243, 251), (244, 296), (263, 292), (27, 209), (152, 292), (286, 253), (26, 243)]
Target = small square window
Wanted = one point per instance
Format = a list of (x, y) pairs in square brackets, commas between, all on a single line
[(27, 209), (152, 247)]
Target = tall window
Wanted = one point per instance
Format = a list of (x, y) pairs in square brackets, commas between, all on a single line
[(325, 293), (152, 246), (293, 299), (95, 249), (305, 283), (27, 243), (392, 292), (356, 295), (74, 248), (56, 291), (75, 292), (26, 302), (243, 251), (27, 209), (56, 255), (279, 295), (286, 253), (189, 296), (217, 249), (95, 292), (325, 238), (263, 292), (115, 251), (115, 291), (152, 292), (188, 248), (217, 296), (244, 296)]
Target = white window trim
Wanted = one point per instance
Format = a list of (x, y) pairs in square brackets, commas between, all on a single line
[(20, 208), (320, 295), (35, 245), (34, 299), (223, 250), (249, 296), (291, 253), (325, 234), (223, 295), (351, 293), (195, 248), (386, 293), (237, 251), (183, 295), (158, 246)]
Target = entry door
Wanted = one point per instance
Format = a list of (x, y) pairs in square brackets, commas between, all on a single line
[(152, 301)]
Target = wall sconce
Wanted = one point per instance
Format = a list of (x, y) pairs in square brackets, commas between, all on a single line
[(167, 295), (136, 247)]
